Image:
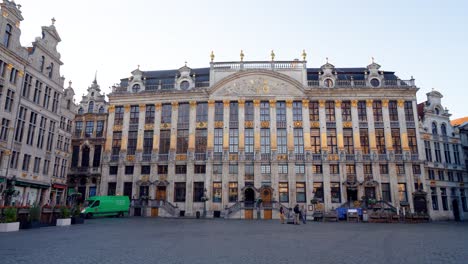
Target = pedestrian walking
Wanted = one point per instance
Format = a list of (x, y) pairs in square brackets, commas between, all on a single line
[(303, 214), (291, 216), (281, 215), (297, 211)]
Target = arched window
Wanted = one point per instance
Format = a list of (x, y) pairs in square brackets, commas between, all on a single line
[(136, 88), (6, 38), (80, 111), (91, 107), (443, 129), (437, 111), (51, 69), (41, 63), (434, 128), (101, 110), (85, 157)]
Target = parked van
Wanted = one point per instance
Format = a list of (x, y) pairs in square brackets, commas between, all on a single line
[(106, 206)]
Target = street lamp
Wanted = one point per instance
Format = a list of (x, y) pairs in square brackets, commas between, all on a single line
[(204, 199)]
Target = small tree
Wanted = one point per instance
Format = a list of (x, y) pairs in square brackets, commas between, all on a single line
[(64, 212), (35, 213), (10, 215)]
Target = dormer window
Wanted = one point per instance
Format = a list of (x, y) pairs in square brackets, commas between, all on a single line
[(184, 85), (136, 88), (92, 94), (328, 83), (91, 107), (51, 69), (434, 128), (68, 104), (443, 129), (80, 111), (41, 63), (6, 38), (101, 110), (437, 111)]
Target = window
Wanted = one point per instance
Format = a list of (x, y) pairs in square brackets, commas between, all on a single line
[(400, 169), (264, 111), (299, 168), (7, 36), (80, 111), (37, 92), (9, 100), (300, 192), (377, 109), (183, 115), (217, 169), (348, 140), (97, 156), (179, 192), (459, 177), (368, 169), (116, 143), (113, 170), (409, 115), (315, 140), (51, 69), (346, 110), (281, 113), (202, 112), (434, 128), (330, 111), (26, 86), (297, 111), (233, 169), (393, 110), (119, 114), (318, 191), (364, 138), (416, 169), (200, 140), (14, 160), (402, 192), (99, 128), (443, 129), (55, 102), (443, 194), (233, 192), (450, 176), (166, 113), (200, 169), (233, 114), (198, 191), (335, 192), (20, 124), (162, 169), (380, 140), (4, 129), (148, 142), (396, 140), (362, 111), (441, 175), (111, 188), (41, 63), (427, 147), (233, 140), (249, 140), (386, 196), (134, 114), (331, 141), (448, 158), (282, 141), (45, 168), (218, 140), (249, 111), (181, 169), (164, 142), (463, 200), (413, 145), (334, 169), (431, 174), (298, 141), (26, 159), (350, 169), (314, 111), (129, 170), (45, 102), (3, 66), (249, 169), (89, 129), (182, 141), (13, 75), (283, 168), (456, 154), (219, 111), (435, 202), (383, 168), (438, 156), (317, 169), (132, 142), (265, 169), (217, 192), (78, 128), (265, 141), (283, 192)]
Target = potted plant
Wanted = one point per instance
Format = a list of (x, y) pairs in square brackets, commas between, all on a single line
[(8, 222), (77, 217), (64, 219), (34, 218)]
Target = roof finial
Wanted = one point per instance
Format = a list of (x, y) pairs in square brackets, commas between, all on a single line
[(372, 60), (69, 83), (242, 55), (185, 63), (327, 59), (95, 77), (53, 21), (304, 55), (138, 66), (272, 54), (212, 56)]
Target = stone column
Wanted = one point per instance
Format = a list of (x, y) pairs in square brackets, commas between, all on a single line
[(257, 163), (123, 149), (190, 161), (274, 177), (141, 128), (241, 162), (357, 147), (157, 127), (307, 151), (387, 129), (174, 118), (291, 155), (209, 148), (325, 165), (171, 161), (225, 176)]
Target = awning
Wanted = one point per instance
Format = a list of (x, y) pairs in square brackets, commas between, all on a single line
[(31, 184), (59, 186)]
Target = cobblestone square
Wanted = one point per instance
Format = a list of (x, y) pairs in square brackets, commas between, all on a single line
[(150, 240)]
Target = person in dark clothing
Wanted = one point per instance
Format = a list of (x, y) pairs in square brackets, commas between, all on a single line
[(281, 215), (296, 214)]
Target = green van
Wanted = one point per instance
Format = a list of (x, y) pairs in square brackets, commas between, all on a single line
[(106, 206)]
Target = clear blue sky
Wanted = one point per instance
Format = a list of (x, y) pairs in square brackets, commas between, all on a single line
[(424, 39)]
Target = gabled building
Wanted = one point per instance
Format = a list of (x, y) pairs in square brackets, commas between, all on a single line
[(444, 164)]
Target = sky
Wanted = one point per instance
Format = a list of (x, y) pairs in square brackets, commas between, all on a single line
[(424, 39)]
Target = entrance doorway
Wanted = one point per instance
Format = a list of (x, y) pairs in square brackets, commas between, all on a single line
[(351, 193), (266, 197), (456, 211), (249, 197), (161, 193), (370, 192)]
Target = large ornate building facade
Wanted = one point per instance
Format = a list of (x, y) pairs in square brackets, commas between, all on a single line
[(445, 168), (36, 113), (218, 138)]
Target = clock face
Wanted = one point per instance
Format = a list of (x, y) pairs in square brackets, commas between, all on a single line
[(136, 88), (375, 82), (184, 85)]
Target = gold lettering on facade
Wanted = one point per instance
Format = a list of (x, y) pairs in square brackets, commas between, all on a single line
[(297, 124), (315, 124), (347, 124)]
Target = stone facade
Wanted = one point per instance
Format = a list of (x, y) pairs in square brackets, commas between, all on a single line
[(277, 131), (88, 142), (444, 160), (36, 113)]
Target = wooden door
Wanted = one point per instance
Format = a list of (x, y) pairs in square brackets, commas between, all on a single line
[(248, 214), (267, 214), (266, 197), (154, 212), (161, 193)]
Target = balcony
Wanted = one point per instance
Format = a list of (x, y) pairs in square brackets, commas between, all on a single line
[(218, 156), (257, 65), (300, 157), (410, 124), (362, 83), (114, 158), (146, 157), (163, 157), (200, 156), (265, 156), (363, 124), (394, 124), (317, 157), (249, 156)]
